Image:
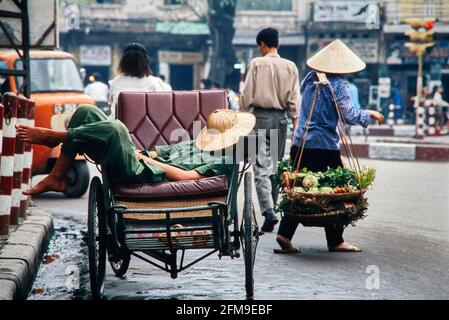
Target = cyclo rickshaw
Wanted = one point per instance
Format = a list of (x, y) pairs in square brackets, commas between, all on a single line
[(158, 222)]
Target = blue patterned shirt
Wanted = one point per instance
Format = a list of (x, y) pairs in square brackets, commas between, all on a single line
[(322, 132)]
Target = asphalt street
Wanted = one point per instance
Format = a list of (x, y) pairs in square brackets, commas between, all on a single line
[(404, 238)]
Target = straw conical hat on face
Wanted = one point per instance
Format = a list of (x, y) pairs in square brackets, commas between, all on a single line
[(224, 128), (336, 58)]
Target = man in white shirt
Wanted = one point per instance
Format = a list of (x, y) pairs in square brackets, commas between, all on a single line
[(271, 92)]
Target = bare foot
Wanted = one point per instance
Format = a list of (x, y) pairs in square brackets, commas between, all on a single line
[(284, 242), (345, 247), (38, 135), (49, 183), (286, 246)]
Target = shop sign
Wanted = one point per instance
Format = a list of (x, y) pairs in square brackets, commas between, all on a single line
[(399, 54), (178, 57), (95, 55), (384, 87), (366, 48), (346, 11)]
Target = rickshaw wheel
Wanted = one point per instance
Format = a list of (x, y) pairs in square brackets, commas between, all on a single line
[(247, 237), (96, 238), (120, 267)]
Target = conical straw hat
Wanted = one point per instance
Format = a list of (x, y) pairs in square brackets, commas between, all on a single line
[(224, 128), (336, 58)]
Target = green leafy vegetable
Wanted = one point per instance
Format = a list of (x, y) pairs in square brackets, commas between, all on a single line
[(366, 177), (339, 177)]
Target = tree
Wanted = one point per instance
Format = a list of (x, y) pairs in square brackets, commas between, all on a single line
[(220, 18)]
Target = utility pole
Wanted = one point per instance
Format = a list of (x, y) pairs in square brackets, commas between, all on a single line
[(420, 41)]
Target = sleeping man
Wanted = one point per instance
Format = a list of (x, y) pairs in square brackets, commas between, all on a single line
[(108, 142)]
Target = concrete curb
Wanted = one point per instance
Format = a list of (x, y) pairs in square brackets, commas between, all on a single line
[(21, 255), (402, 151), (405, 131)]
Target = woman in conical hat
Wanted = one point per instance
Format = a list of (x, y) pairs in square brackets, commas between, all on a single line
[(321, 149)]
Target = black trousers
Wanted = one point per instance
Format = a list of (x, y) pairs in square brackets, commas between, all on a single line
[(314, 160)]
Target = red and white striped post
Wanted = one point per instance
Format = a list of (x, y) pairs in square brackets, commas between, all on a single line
[(390, 119), (10, 102), (18, 164), (420, 113), (27, 162), (1, 142)]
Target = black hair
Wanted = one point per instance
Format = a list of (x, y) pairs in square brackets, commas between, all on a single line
[(269, 36), (350, 78), (134, 61), (161, 76)]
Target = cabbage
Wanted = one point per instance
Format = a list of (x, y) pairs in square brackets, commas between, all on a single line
[(310, 182)]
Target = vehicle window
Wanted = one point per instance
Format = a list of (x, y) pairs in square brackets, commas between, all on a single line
[(4, 81), (50, 75)]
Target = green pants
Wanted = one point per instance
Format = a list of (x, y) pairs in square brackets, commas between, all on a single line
[(107, 142)]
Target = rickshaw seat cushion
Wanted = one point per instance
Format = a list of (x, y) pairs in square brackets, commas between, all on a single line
[(161, 118), (217, 185)]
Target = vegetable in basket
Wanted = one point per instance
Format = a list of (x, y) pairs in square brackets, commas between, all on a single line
[(310, 182), (366, 177)]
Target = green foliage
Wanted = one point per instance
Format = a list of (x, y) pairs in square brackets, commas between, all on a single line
[(339, 177), (366, 177), (282, 165)]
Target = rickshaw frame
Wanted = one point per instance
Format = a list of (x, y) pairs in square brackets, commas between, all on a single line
[(109, 233)]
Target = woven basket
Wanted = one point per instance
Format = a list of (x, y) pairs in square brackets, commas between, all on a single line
[(324, 198), (169, 204), (342, 216)]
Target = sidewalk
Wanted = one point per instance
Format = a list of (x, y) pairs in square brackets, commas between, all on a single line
[(402, 148), (384, 130), (21, 253)]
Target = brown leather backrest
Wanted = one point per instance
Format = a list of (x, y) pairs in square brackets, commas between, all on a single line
[(159, 118)]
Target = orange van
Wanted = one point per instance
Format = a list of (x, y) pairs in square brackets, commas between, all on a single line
[(57, 88)]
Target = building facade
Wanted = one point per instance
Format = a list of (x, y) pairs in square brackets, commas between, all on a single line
[(289, 17), (173, 32), (177, 38), (355, 23), (400, 64)]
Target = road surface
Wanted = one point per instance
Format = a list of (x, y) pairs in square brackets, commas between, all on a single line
[(404, 238)]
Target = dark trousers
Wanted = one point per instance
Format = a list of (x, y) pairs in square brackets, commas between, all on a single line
[(314, 160)]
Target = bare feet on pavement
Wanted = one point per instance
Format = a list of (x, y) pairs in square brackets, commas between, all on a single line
[(345, 247), (284, 243)]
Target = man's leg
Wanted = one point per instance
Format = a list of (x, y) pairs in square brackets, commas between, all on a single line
[(56, 180), (264, 168), (111, 139), (282, 122)]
